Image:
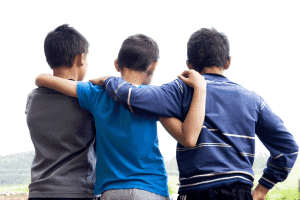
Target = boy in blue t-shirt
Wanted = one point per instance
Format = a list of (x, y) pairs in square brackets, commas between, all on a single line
[(129, 162)]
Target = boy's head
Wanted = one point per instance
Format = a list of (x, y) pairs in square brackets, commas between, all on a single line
[(62, 45), (137, 53), (207, 48)]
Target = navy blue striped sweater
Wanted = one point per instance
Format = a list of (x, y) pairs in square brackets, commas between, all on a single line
[(225, 150)]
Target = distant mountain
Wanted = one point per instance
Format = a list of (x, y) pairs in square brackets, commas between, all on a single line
[(171, 166), (15, 168)]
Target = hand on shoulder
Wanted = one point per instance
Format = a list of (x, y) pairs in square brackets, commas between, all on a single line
[(193, 79), (99, 81)]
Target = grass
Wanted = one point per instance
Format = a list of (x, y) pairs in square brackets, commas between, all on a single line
[(172, 183), (289, 194), (288, 189), (14, 188)]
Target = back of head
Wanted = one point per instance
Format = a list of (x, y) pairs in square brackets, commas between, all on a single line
[(207, 48), (138, 52), (62, 45)]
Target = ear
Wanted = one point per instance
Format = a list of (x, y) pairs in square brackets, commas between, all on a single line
[(79, 59), (117, 65), (189, 65), (227, 64), (152, 67)]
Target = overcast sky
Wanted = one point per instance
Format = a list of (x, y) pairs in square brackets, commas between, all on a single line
[(263, 36)]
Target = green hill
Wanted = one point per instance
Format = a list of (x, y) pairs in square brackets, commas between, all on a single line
[(171, 167), (15, 168)]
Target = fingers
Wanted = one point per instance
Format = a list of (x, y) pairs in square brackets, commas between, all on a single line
[(102, 81), (96, 81), (99, 81), (181, 77), (185, 73)]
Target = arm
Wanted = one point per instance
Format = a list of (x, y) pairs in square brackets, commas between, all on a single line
[(187, 133), (163, 101), (64, 86), (281, 144), (260, 192)]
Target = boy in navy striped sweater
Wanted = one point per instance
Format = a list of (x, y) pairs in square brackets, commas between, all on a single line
[(220, 165)]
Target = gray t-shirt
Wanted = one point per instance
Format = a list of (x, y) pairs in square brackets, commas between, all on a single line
[(63, 135)]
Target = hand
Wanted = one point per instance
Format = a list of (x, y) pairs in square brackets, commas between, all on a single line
[(193, 79), (38, 79), (99, 81), (260, 192)]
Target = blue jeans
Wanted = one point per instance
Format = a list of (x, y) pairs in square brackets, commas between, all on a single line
[(131, 194)]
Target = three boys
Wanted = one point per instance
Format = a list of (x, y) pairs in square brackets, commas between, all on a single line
[(220, 165)]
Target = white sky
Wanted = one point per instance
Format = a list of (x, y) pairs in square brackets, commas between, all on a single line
[(263, 35)]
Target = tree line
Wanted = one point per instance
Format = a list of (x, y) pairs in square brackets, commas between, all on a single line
[(15, 168)]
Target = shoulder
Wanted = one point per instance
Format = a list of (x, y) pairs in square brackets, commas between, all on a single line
[(32, 93), (89, 95), (40, 90), (88, 87), (250, 95), (179, 85)]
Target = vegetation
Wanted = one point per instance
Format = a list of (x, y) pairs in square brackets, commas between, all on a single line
[(171, 167), (15, 188), (15, 175), (288, 189), (260, 162), (173, 183), (15, 168)]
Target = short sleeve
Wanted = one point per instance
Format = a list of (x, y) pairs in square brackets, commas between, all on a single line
[(84, 93)]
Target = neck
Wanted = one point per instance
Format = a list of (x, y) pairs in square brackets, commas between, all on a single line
[(213, 70), (134, 77), (66, 73)]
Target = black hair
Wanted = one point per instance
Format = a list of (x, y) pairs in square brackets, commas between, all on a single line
[(138, 52), (207, 48), (62, 45)]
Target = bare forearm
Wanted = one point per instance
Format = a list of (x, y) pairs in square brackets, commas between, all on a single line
[(174, 128), (260, 192), (64, 86), (187, 133), (193, 122)]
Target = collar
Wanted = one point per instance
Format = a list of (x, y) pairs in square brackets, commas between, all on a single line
[(216, 77)]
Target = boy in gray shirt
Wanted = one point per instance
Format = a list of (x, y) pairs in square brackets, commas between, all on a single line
[(62, 132)]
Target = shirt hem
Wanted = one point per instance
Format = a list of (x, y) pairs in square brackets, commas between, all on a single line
[(57, 194)]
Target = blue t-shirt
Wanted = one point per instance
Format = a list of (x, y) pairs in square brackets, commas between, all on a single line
[(128, 155)]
